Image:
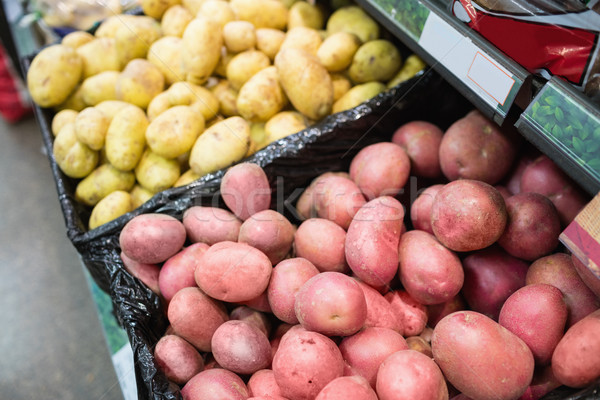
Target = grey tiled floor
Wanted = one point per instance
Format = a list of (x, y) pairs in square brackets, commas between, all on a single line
[(51, 341)]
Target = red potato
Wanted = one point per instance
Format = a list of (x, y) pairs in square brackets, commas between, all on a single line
[(147, 273), (178, 359), (372, 241), (435, 312), (210, 225), (241, 347), (322, 242), (364, 351), (503, 191), (306, 204), (589, 273), (575, 362), (513, 179), (262, 384), (468, 215), (275, 339), (474, 147), (269, 232), (411, 314), (286, 279), (347, 388), (380, 312), (481, 358), (245, 190), (421, 140), (558, 270), (259, 303), (543, 382), (233, 272), (195, 317), (268, 397), (537, 314), (337, 199), (420, 210), (429, 272), (543, 176), (305, 363), (419, 344), (533, 226), (254, 317), (152, 238), (178, 271), (491, 276), (380, 169), (331, 303), (215, 384), (410, 375)]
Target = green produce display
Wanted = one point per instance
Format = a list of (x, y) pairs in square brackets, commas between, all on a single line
[(411, 15)]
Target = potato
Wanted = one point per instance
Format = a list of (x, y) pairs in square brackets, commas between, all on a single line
[(147, 273), (219, 11), (574, 361), (341, 86), (74, 158), (491, 276), (302, 38), (435, 312), (283, 124), (215, 384), (354, 20), (108, 26), (269, 232), (322, 242), (110, 108), (174, 132), (125, 139), (357, 95), (152, 238), (134, 35), (245, 65), (537, 314), (411, 315), (543, 382), (245, 190), (226, 97), (468, 215), (139, 82), (233, 272), (337, 199), (239, 36), (221, 145), (409, 69), (306, 14), (305, 362), (262, 383), (268, 40), (100, 87), (210, 225), (474, 147), (558, 270), (420, 210), (421, 141), (77, 38), (331, 303), (73, 102), (337, 51), (202, 42), (261, 96), (104, 180), (241, 347), (198, 97), (156, 9), (92, 63), (165, 54), (177, 359), (306, 82), (372, 241), (481, 358), (53, 75), (347, 388), (409, 374), (178, 270), (174, 20), (419, 344), (110, 207), (380, 169), (261, 13), (379, 311), (195, 317), (253, 317), (156, 173), (258, 303), (61, 119), (375, 60), (91, 126)]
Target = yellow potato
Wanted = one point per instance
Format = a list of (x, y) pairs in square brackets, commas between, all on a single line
[(53, 75), (193, 5), (202, 42), (245, 65), (108, 26), (262, 96), (337, 51), (284, 124), (258, 134), (221, 145), (341, 85), (174, 132), (305, 14), (377, 60), (91, 126), (239, 36), (262, 13), (357, 95), (156, 173), (306, 82), (77, 38), (200, 98), (175, 19), (101, 182), (186, 178), (219, 11), (139, 82), (221, 68), (268, 40), (411, 66), (62, 118), (303, 38), (252, 148), (109, 208), (227, 97), (353, 19), (159, 104), (165, 54), (139, 195), (134, 36), (110, 108), (74, 101), (99, 55), (126, 138), (157, 8), (75, 159), (100, 87)]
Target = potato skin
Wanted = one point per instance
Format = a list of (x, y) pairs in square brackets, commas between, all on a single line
[(337, 50), (210, 225), (74, 158), (215, 384), (355, 20), (111, 207), (420, 210), (245, 190), (480, 358), (101, 182), (410, 313), (421, 140), (177, 358), (261, 13), (173, 132), (347, 388), (262, 383), (322, 242), (139, 82), (380, 312), (270, 232), (125, 139), (375, 60), (202, 42), (337, 199), (178, 271)]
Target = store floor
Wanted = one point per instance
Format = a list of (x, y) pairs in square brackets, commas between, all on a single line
[(51, 344)]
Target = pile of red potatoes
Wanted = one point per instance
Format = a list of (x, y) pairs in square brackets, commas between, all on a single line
[(466, 293)]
